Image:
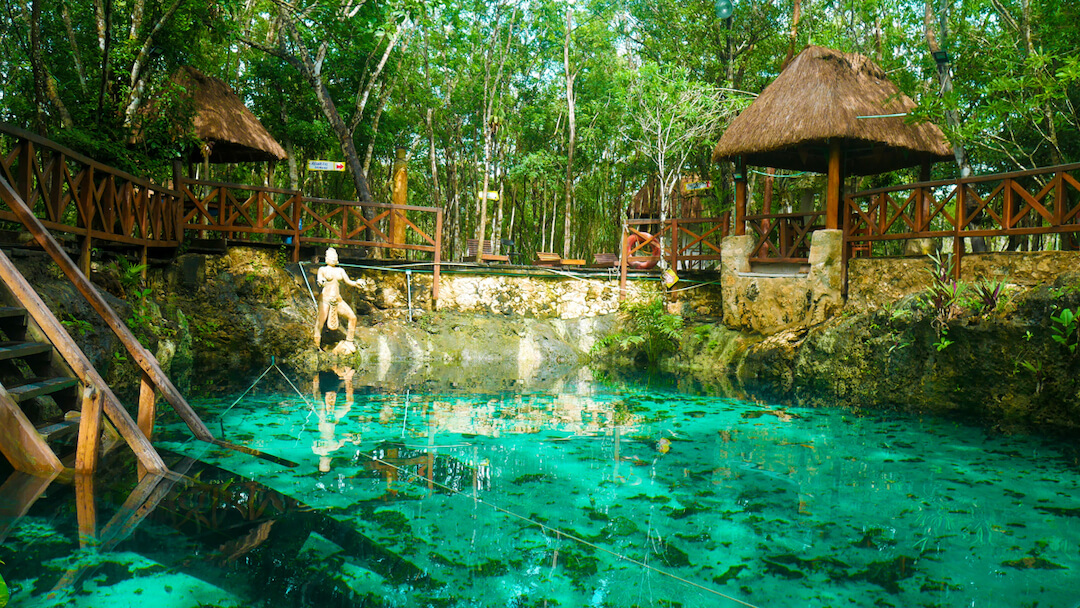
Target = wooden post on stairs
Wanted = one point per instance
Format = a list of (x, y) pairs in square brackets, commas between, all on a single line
[(86, 455)]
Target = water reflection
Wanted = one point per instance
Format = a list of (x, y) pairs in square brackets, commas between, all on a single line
[(325, 387)]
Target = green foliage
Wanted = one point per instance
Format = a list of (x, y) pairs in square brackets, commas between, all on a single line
[(78, 326), (1065, 329), (988, 295), (646, 328), (4, 593), (943, 340), (943, 293)]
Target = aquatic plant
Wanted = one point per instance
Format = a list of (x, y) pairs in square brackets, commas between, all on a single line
[(647, 328), (4, 594)]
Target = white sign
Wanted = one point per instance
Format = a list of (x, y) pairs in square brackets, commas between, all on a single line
[(325, 165), (697, 186), (492, 195)]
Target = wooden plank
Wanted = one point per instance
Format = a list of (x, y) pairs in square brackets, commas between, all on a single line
[(78, 362), (43, 386), (139, 354), (19, 492), (20, 442), (16, 350), (86, 454)]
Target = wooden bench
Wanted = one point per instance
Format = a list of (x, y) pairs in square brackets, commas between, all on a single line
[(604, 260), (545, 258), (488, 256)]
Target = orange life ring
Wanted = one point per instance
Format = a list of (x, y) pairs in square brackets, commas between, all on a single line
[(631, 244)]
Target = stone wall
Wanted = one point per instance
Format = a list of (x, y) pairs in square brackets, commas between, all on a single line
[(875, 282), (760, 303), (519, 293)]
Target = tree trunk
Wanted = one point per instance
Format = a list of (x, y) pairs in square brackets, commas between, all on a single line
[(571, 121), (312, 72), (44, 85), (952, 117), (74, 47)]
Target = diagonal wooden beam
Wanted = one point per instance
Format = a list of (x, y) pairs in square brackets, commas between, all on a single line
[(21, 443)]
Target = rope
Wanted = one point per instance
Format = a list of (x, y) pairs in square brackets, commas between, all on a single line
[(311, 293), (244, 394)]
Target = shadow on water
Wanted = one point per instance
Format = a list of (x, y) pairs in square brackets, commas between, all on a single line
[(197, 527)]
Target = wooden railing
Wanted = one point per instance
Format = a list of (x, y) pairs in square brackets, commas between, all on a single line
[(1010, 210), (783, 237), (695, 242), (71, 193), (240, 213)]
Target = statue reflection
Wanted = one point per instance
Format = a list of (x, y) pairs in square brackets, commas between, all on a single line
[(325, 387)]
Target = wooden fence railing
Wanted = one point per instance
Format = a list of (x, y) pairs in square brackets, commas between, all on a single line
[(783, 237), (1035, 209), (687, 243), (73, 194)]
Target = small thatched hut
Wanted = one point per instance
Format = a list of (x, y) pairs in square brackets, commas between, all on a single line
[(229, 130), (830, 112)]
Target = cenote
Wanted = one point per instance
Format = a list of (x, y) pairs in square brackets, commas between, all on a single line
[(588, 494)]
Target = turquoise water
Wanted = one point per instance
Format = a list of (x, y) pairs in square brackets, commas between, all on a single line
[(592, 495)]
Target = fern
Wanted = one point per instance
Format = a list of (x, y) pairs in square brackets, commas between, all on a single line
[(645, 327)]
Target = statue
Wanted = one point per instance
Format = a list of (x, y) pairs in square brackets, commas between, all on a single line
[(332, 306)]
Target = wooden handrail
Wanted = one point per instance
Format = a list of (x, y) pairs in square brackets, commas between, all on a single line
[(138, 352), (75, 358)]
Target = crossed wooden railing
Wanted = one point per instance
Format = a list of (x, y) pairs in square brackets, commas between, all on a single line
[(687, 242), (70, 193), (783, 237), (1010, 209)]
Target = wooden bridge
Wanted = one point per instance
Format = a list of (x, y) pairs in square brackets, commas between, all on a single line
[(75, 195)]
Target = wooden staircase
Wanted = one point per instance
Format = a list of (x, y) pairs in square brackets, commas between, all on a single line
[(51, 364)]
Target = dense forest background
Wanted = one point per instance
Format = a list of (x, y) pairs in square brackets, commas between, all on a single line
[(565, 107)]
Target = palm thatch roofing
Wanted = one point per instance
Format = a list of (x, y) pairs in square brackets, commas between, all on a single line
[(223, 122), (824, 95)]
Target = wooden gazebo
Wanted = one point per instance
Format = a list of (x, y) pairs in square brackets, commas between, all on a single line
[(828, 112), (228, 129)]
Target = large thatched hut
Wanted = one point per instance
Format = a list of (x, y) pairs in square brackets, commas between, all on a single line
[(829, 112), (229, 131)]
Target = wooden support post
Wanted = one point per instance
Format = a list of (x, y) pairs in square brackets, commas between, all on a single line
[(147, 407), (674, 243), (740, 198), (21, 443), (435, 271), (85, 509), (86, 455), (624, 248), (836, 181), (958, 240)]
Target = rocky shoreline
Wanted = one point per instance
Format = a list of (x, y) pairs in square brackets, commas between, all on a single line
[(215, 322)]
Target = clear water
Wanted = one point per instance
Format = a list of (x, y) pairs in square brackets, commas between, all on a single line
[(594, 495)]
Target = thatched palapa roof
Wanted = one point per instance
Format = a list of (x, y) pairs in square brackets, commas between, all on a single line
[(820, 97), (223, 121)]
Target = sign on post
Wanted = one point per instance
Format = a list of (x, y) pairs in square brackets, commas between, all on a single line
[(325, 165), (492, 195)]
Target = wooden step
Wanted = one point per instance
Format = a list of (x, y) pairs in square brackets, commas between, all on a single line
[(7, 312), (39, 387), (58, 429), (13, 322), (17, 350)]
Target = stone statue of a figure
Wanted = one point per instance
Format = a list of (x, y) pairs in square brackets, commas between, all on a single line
[(331, 304)]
